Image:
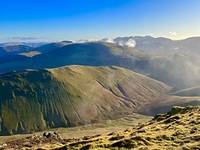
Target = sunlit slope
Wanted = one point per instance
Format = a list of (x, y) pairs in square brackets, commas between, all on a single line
[(70, 96)]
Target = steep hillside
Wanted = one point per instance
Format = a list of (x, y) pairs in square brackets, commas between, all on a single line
[(64, 97), (177, 129)]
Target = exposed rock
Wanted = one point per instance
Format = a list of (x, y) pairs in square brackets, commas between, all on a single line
[(51, 134)]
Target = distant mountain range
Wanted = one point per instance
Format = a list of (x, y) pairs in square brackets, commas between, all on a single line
[(34, 44), (143, 43), (179, 69), (156, 45)]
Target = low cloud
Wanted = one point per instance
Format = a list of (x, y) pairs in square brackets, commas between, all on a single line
[(109, 40), (129, 43), (173, 33)]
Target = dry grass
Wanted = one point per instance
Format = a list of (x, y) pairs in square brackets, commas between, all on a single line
[(178, 129), (75, 132)]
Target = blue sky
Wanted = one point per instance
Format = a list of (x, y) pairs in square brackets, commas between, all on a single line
[(96, 19)]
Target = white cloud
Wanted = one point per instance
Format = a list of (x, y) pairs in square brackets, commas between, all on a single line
[(173, 33), (85, 41), (130, 43), (109, 40)]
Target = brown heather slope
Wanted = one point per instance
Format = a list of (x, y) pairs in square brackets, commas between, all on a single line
[(177, 129)]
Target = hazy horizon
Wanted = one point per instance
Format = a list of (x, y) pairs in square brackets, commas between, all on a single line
[(49, 40)]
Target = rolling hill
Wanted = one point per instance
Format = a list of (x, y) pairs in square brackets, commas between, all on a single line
[(35, 100)]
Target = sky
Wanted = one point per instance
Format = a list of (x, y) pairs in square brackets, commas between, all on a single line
[(29, 20)]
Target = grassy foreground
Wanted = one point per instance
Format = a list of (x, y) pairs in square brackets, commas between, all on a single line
[(178, 129)]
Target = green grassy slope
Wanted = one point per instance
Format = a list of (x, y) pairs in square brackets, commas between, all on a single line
[(70, 96)]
